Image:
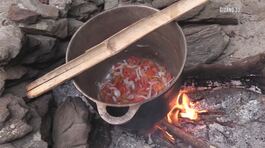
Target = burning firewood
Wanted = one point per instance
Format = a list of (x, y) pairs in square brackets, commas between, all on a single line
[(183, 107), (186, 137)]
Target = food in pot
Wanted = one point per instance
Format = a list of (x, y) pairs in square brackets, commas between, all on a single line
[(133, 80)]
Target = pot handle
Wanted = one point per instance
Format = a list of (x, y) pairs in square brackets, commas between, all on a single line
[(102, 110)]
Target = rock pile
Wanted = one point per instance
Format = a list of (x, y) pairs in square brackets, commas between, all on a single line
[(33, 36)]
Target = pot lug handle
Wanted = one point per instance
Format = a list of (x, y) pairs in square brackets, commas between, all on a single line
[(102, 110)]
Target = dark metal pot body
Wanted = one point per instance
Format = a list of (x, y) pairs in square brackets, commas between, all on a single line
[(165, 45)]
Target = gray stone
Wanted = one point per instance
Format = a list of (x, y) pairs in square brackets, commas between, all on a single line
[(41, 104), (48, 27), (135, 2), (145, 2), (61, 49), (162, 3), (15, 126), (45, 108), (4, 114), (17, 107), (247, 38), (192, 13), (33, 139), (82, 11), (4, 7), (205, 44), (32, 42), (44, 10), (62, 5), (14, 131), (77, 3), (71, 124), (11, 39), (32, 73), (3, 77), (251, 10), (21, 128), (98, 2), (15, 72), (18, 89), (20, 15), (7, 145), (43, 53), (111, 4), (73, 25)]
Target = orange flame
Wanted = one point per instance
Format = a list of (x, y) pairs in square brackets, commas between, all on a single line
[(184, 108)]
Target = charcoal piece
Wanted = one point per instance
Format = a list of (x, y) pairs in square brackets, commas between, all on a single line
[(100, 130)]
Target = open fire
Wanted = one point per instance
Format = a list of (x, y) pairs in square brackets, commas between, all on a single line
[(183, 107)]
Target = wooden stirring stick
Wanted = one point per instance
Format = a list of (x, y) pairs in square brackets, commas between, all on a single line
[(110, 47)]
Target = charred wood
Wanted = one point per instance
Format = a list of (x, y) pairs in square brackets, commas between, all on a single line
[(252, 65), (188, 138)]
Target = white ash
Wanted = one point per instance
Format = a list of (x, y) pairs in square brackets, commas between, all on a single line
[(123, 139), (242, 123), (248, 111)]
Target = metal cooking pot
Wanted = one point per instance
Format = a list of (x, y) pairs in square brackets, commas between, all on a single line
[(166, 45)]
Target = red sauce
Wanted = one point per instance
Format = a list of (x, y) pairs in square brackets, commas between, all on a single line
[(133, 80)]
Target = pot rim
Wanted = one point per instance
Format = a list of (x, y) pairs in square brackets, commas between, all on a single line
[(137, 103)]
